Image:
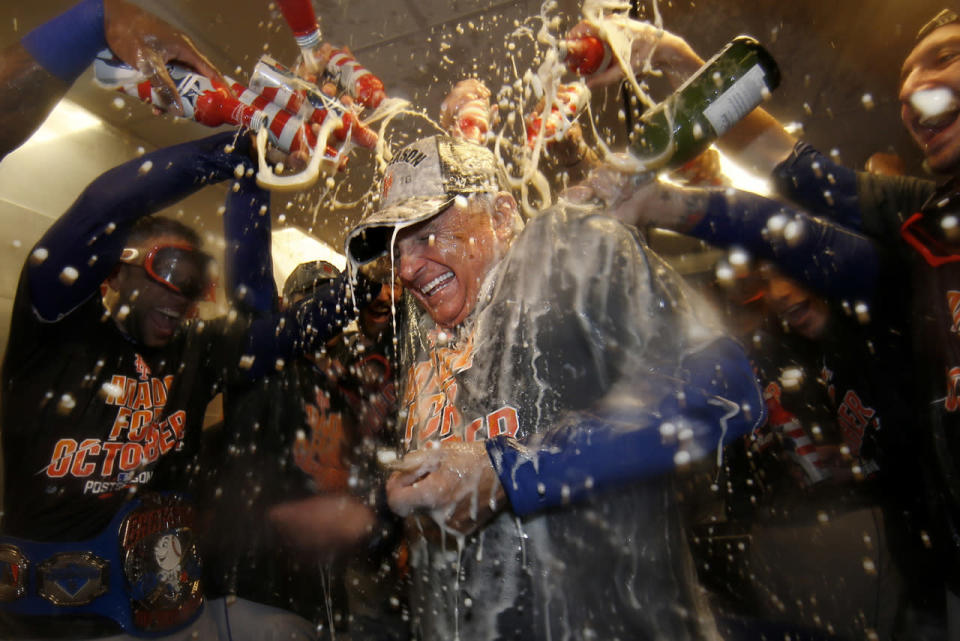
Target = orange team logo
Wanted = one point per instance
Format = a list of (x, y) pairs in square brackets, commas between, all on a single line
[(387, 184), (142, 368), (826, 377), (953, 302), (431, 396)]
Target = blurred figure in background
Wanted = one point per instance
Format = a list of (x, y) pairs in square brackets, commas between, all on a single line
[(293, 509)]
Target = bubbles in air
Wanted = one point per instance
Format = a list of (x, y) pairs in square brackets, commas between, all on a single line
[(39, 255), (69, 275)]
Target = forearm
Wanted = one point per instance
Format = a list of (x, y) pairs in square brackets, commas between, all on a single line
[(37, 71), (249, 261), (717, 401), (758, 142), (818, 184), (82, 247), (830, 259)]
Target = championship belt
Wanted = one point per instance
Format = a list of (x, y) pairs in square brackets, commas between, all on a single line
[(143, 571)]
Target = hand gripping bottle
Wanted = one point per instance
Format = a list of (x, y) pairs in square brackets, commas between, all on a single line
[(466, 112), (346, 72), (207, 104), (352, 77), (274, 83), (586, 55), (202, 101), (570, 101), (715, 98)]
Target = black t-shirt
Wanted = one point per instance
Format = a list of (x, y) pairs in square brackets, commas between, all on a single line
[(87, 413)]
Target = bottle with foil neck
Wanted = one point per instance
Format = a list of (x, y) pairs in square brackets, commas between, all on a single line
[(715, 98), (208, 104)]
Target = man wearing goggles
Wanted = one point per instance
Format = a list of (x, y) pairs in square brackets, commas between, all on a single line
[(178, 266), (170, 274), (105, 386)]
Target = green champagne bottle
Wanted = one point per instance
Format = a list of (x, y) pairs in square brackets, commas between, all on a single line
[(724, 90)]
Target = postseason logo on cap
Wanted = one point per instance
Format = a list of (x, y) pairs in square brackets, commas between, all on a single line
[(422, 180)]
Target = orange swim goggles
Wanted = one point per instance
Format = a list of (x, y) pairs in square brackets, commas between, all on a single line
[(180, 267)]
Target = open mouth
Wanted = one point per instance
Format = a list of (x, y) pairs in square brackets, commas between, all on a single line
[(936, 109), (436, 284), (939, 121), (166, 320)]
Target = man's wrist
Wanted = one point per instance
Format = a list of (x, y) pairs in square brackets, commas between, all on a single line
[(66, 45)]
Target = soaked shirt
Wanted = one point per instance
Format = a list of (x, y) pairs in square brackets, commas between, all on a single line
[(88, 414), (576, 368)]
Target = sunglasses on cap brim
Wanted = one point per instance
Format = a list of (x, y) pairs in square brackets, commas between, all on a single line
[(179, 267)]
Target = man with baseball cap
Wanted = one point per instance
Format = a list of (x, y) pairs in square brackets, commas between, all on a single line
[(553, 377), (306, 277)]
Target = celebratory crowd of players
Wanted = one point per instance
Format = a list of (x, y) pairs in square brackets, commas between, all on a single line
[(557, 395)]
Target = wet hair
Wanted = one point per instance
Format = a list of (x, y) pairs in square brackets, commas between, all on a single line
[(155, 226), (488, 200)]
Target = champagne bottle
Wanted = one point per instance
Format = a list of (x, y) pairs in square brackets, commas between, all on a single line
[(724, 90), (208, 104)]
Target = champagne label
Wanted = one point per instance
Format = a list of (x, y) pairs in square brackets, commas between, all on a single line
[(737, 101)]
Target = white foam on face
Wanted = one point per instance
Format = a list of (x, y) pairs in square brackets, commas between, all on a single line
[(930, 103)]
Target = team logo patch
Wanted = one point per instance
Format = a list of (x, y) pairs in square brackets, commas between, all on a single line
[(73, 578), (161, 563), (13, 573), (387, 184)]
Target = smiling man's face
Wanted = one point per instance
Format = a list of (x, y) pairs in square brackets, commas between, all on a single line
[(444, 260), (934, 64), (143, 308), (805, 312)]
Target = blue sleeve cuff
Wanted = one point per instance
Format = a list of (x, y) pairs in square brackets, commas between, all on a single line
[(67, 44), (820, 185), (719, 402), (829, 258)]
